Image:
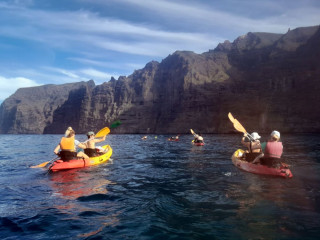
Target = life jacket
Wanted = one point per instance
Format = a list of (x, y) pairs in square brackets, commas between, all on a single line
[(255, 146), (67, 144), (273, 150)]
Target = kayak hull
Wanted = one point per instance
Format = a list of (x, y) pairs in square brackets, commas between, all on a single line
[(60, 165), (173, 140), (258, 168), (197, 143)]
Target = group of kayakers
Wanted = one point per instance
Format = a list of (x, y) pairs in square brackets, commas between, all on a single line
[(66, 149), (265, 153)]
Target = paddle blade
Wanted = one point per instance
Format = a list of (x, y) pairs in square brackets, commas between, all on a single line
[(236, 124), (40, 165), (115, 124), (103, 132), (231, 117), (192, 131)]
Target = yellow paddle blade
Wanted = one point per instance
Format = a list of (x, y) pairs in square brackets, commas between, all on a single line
[(40, 165), (236, 124), (103, 132), (192, 131), (231, 117)]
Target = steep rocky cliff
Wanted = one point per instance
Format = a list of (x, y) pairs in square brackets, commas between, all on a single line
[(268, 81)]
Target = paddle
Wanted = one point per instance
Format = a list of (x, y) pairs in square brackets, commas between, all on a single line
[(115, 124), (237, 125), (103, 132), (44, 163)]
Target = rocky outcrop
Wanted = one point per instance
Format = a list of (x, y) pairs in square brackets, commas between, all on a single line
[(268, 81), (31, 110)]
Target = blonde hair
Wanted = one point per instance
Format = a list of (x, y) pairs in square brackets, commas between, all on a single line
[(69, 132)]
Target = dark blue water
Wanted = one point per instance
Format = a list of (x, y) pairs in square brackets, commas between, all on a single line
[(158, 189)]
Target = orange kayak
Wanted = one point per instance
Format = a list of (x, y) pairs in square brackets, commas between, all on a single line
[(241, 163), (59, 165)]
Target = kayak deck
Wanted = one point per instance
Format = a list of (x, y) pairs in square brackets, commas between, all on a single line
[(258, 168), (59, 165)]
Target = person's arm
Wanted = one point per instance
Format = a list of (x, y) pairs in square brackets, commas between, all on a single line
[(100, 139), (246, 144), (79, 144), (56, 150)]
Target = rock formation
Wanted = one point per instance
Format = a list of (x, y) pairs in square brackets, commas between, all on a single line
[(268, 81)]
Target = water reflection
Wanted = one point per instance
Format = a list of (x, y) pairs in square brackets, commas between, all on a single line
[(74, 184)]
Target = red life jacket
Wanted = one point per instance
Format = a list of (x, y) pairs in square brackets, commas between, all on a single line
[(273, 150)]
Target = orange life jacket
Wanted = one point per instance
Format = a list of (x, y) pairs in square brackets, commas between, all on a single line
[(67, 144), (273, 150)]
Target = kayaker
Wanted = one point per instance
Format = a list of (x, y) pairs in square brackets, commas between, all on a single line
[(197, 137), (273, 150), (66, 149), (144, 138), (176, 138), (90, 149), (254, 152)]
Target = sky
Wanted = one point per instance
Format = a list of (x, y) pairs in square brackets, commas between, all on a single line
[(64, 41)]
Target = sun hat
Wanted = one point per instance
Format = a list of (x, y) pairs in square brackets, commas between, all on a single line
[(275, 134), (90, 133), (255, 136)]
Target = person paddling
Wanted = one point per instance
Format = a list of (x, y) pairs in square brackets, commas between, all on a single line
[(66, 149), (90, 144), (273, 150), (197, 137), (254, 152)]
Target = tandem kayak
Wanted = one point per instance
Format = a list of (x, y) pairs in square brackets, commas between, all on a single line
[(197, 143), (241, 163), (59, 165), (173, 140)]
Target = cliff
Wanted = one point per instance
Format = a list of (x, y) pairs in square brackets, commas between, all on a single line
[(268, 81)]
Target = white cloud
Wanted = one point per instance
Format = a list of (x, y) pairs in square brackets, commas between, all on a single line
[(74, 30), (98, 76), (9, 85)]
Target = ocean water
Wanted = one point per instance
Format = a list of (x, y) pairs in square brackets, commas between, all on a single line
[(157, 189)]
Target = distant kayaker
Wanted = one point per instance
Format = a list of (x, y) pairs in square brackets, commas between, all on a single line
[(90, 149), (144, 138), (273, 150), (66, 149), (254, 152), (176, 138), (197, 137)]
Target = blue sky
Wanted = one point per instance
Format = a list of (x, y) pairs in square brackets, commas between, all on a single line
[(63, 41)]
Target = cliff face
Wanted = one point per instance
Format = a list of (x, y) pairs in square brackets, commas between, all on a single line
[(268, 81)]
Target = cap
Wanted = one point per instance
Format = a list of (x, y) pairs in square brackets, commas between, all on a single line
[(255, 136), (275, 134), (90, 133)]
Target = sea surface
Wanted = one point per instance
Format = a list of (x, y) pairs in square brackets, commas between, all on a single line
[(156, 189)]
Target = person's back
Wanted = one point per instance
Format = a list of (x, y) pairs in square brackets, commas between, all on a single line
[(67, 146), (91, 144), (273, 150), (254, 152)]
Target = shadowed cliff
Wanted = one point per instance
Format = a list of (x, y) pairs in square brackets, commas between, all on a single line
[(268, 81)]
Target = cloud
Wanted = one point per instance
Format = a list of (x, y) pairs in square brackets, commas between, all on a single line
[(233, 15), (9, 85), (74, 30), (98, 76)]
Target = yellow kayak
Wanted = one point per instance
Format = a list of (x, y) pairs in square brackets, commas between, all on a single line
[(59, 165)]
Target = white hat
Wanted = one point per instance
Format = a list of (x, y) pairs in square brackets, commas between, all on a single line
[(255, 136), (275, 134)]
